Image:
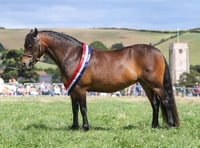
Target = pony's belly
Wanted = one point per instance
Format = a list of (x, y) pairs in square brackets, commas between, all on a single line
[(108, 87), (113, 79)]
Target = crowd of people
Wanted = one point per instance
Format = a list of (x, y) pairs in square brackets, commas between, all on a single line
[(190, 92), (13, 88)]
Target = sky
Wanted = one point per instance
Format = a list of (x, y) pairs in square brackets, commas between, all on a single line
[(133, 14)]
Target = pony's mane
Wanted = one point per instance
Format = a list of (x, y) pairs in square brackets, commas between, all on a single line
[(60, 36)]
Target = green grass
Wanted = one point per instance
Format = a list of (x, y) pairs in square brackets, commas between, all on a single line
[(116, 122)]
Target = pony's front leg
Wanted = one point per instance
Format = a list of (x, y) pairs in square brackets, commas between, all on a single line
[(83, 107), (75, 106), (79, 98)]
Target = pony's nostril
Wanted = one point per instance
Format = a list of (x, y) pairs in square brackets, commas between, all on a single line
[(23, 66)]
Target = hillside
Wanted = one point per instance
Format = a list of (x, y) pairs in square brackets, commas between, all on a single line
[(14, 38)]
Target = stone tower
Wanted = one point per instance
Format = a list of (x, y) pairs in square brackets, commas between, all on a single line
[(178, 60)]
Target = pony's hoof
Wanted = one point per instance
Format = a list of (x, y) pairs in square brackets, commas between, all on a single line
[(155, 126), (74, 127), (172, 125), (85, 128)]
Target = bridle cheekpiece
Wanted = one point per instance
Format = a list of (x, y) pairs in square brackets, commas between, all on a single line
[(35, 57)]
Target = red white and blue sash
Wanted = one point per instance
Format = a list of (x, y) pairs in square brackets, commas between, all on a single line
[(79, 70)]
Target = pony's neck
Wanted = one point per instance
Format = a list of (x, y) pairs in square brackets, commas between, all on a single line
[(65, 53)]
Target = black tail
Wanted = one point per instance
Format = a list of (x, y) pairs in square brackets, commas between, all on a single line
[(169, 90)]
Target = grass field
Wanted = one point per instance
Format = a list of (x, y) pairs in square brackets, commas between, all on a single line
[(14, 38), (114, 122)]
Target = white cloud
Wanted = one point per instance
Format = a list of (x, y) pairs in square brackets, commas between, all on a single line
[(141, 14)]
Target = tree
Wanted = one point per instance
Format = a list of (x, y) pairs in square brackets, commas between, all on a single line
[(98, 45), (1, 47), (189, 79), (11, 63), (195, 68), (117, 46), (28, 76)]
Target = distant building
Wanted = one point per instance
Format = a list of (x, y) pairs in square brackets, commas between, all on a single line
[(178, 60), (43, 76)]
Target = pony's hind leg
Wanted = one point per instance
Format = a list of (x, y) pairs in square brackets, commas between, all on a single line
[(153, 98), (160, 96), (167, 107), (155, 105)]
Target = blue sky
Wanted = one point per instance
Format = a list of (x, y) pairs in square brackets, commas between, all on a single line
[(134, 14)]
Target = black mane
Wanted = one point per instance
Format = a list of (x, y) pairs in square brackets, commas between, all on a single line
[(61, 36)]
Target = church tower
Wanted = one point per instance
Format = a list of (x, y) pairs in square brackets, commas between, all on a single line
[(178, 60)]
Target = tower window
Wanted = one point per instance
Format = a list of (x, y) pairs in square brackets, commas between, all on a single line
[(180, 51)]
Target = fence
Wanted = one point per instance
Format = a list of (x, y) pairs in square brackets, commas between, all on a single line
[(57, 89)]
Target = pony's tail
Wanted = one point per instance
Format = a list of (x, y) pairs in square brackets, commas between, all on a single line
[(169, 90)]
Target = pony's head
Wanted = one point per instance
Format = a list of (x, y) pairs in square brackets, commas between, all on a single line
[(32, 50)]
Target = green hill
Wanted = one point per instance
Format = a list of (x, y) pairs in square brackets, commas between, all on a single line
[(14, 38)]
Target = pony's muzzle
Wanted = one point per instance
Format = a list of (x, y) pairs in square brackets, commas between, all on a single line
[(27, 64)]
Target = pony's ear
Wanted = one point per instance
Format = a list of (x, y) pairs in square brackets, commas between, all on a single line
[(35, 32)]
